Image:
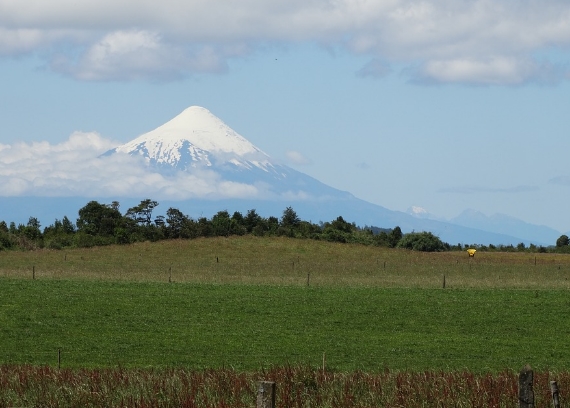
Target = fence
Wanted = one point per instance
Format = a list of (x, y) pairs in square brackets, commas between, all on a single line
[(526, 389), (266, 391)]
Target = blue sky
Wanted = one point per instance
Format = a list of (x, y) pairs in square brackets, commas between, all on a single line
[(445, 105)]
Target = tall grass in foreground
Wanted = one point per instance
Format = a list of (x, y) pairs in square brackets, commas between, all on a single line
[(296, 387)]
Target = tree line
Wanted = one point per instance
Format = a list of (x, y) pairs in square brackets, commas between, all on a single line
[(103, 224)]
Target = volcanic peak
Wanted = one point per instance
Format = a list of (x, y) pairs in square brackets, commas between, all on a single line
[(196, 136)]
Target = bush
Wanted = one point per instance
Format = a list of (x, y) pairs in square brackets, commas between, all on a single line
[(6, 241), (59, 242), (421, 241), (334, 235)]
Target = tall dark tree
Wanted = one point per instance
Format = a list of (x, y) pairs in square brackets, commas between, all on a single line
[(290, 218), (221, 224), (272, 225), (395, 236), (32, 229), (175, 221), (142, 213), (204, 227), (251, 220), (67, 225), (98, 219)]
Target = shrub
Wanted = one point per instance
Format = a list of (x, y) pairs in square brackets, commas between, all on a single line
[(421, 241)]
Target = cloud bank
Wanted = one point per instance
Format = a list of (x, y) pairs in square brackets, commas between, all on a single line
[(76, 168), (501, 42)]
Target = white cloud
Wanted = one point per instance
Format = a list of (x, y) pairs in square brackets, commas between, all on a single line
[(76, 168), (20, 41), (492, 71), (467, 41), (138, 54), (297, 158)]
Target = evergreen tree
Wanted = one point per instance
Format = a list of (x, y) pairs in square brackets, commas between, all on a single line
[(290, 218), (252, 220)]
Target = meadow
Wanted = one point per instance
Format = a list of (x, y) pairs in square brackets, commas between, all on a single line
[(273, 261), (247, 306)]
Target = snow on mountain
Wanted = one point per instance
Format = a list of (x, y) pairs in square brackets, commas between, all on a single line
[(193, 139), (418, 212), (196, 139)]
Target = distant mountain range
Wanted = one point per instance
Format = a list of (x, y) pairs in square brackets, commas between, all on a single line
[(496, 223), (196, 140)]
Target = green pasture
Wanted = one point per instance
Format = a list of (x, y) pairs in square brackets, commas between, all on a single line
[(248, 303), (290, 262)]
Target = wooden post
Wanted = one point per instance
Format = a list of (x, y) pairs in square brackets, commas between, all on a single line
[(308, 278), (444, 281), (526, 392), (555, 394), (266, 394), (170, 275)]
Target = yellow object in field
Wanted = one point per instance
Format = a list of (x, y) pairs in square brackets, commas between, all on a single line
[(471, 251)]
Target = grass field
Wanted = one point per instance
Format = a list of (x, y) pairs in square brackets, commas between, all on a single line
[(245, 303), (249, 304), (288, 262), (98, 324)]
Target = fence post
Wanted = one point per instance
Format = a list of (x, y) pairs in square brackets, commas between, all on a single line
[(555, 394), (526, 392), (266, 394)]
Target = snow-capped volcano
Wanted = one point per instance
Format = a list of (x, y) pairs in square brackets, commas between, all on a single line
[(197, 140), (193, 139)]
